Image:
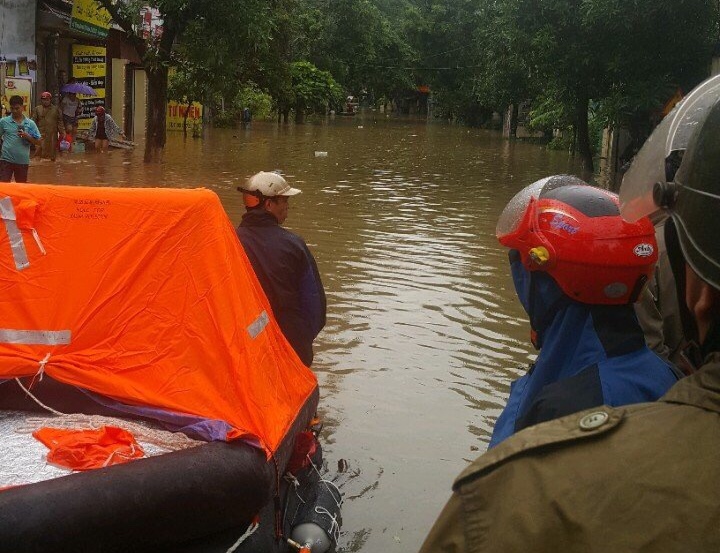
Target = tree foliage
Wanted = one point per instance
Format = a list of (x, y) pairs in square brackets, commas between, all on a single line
[(203, 38), (625, 56), (313, 90), (622, 57)]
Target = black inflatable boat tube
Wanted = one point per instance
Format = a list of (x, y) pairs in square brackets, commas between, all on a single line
[(139, 505)]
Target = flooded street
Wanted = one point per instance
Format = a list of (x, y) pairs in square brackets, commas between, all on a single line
[(424, 330)]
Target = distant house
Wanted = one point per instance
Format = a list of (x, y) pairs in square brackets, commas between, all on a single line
[(95, 53)]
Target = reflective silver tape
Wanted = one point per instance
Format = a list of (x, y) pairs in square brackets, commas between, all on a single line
[(258, 325), (34, 337), (7, 213)]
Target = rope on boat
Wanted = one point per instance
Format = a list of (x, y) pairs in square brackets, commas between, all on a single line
[(334, 530), (254, 525), (36, 400), (164, 439)]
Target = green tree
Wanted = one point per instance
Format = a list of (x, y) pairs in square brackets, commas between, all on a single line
[(363, 48), (252, 97), (313, 90), (575, 51), (220, 39), (447, 36)]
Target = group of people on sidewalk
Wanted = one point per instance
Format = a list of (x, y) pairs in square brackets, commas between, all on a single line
[(50, 129)]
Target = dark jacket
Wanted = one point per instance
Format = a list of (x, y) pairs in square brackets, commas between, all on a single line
[(591, 355), (639, 478), (289, 276), (658, 310)]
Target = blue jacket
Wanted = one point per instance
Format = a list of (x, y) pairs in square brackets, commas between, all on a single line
[(590, 355), (289, 276)]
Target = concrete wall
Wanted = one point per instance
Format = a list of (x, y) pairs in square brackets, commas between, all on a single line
[(17, 27), (117, 96), (139, 102)]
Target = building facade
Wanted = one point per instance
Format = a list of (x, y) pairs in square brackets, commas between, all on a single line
[(64, 48)]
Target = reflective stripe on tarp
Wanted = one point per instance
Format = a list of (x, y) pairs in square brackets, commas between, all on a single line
[(7, 213), (258, 325), (34, 337), (159, 295)]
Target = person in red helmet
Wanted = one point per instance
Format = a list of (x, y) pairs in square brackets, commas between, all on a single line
[(49, 120), (642, 477), (103, 129), (578, 268)]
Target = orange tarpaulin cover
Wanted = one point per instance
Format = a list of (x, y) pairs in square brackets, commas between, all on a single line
[(89, 449), (144, 296)]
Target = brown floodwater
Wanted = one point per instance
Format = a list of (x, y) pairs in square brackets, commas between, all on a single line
[(424, 331)]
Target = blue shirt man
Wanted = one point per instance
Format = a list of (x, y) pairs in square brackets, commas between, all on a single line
[(17, 133)]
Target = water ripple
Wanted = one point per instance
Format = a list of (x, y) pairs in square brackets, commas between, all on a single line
[(424, 332)]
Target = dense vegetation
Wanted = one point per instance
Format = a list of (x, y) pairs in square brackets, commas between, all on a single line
[(580, 62)]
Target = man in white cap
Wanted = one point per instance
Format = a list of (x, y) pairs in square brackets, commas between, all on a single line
[(282, 261)]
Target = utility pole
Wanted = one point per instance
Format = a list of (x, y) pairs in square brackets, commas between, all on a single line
[(715, 68), (3, 72)]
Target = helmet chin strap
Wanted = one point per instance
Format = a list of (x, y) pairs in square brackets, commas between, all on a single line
[(535, 289), (251, 198), (692, 352), (539, 322)]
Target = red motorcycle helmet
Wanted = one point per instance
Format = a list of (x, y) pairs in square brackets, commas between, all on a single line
[(574, 232)]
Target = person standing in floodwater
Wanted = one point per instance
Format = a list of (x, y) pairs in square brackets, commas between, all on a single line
[(282, 262), (48, 119), (103, 129), (71, 108), (246, 116), (17, 133)]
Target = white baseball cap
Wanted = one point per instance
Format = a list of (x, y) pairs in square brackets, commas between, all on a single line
[(269, 184)]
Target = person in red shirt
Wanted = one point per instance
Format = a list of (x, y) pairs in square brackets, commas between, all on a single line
[(66, 143)]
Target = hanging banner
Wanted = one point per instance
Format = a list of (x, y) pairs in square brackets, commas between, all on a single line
[(176, 116), (15, 86), (89, 67), (89, 17)]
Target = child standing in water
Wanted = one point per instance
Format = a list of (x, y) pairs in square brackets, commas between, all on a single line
[(66, 144)]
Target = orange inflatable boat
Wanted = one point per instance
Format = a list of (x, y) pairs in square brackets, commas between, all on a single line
[(140, 304)]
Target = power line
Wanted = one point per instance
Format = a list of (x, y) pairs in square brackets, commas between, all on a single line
[(463, 47), (448, 51), (425, 68)]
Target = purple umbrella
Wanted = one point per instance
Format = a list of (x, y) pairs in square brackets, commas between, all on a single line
[(79, 88)]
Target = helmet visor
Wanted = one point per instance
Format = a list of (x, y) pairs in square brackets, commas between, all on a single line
[(672, 134), (698, 200), (516, 208)]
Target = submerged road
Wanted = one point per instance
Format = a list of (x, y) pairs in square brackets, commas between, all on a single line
[(424, 330)]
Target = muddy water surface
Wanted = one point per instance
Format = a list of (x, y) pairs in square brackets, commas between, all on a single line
[(424, 331)]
